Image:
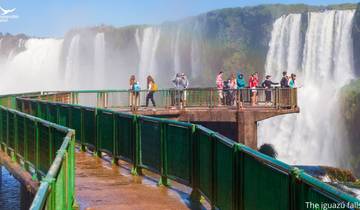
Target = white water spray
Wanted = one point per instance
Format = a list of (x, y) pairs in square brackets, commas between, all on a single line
[(148, 46), (36, 67), (99, 61), (315, 136), (72, 67)]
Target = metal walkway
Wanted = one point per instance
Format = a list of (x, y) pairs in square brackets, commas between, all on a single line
[(102, 185)]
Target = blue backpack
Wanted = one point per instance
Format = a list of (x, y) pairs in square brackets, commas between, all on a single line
[(136, 87)]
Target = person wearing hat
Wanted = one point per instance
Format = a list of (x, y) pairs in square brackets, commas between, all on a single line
[(267, 84)]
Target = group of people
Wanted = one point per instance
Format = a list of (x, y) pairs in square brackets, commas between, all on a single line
[(227, 89), (180, 82)]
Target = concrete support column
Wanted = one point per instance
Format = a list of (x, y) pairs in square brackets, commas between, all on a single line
[(247, 128)]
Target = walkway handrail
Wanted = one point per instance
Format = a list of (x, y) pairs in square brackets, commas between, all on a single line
[(281, 98), (43, 149), (229, 175)]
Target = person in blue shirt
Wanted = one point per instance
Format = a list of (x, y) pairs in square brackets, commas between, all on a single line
[(240, 81)]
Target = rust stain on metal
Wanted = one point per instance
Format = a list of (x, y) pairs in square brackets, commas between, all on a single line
[(101, 185)]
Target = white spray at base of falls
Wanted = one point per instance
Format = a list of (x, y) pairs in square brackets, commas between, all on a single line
[(35, 67), (315, 136), (99, 65)]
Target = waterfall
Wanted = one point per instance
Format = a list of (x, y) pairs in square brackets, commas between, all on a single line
[(196, 51), (99, 61), (323, 63), (72, 67), (284, 47), (148, 48), (176, 53), (35, 68)]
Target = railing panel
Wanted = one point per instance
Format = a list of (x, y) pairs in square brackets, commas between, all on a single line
[(150, 143), (4, 126), (224, 173), (45, 150), (205, 162), (75, 121), (89, 121), (52, 112), (178, 144), (125, 129), (265, 183), (11, 131), (63, 115), (30, 140), (21, 136), (105, 122)]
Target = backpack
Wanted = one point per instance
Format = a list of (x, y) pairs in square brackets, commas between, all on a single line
[(136, 87), (154, 87)]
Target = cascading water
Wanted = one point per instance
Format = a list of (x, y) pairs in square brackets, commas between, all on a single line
[(148, 46), (99, 75), (315, 135), (72, 63), (196, 51), (36, 66)]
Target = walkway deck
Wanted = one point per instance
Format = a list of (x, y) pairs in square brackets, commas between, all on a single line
[(101, 185)]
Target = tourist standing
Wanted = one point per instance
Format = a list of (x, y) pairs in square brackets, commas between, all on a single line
[(292, 83), (284, 83), (181, 83), (152, 88), (233, 88), (253, 83), (134, 93), (240, 85), (220, 87), (267, 84), (184, 83)]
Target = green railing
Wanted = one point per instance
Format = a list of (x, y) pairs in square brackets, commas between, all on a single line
[(229, 175), (45, 150), (192, 97)]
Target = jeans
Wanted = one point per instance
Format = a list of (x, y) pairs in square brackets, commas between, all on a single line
[(150, 96)]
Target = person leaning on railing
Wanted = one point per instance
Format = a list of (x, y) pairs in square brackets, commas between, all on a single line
[(267, 84)]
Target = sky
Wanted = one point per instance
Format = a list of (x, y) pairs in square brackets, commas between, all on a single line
[(50, 18)]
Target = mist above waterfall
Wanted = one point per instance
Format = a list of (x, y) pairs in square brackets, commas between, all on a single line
[(322, 58)]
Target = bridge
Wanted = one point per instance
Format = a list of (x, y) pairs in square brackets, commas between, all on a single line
[(89, 148)]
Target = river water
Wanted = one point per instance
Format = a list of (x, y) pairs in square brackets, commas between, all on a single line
[(13, 194)]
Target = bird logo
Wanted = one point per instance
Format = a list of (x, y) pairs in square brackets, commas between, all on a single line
[(6, 11)]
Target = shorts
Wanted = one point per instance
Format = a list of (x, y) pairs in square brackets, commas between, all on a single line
[(220, 93)]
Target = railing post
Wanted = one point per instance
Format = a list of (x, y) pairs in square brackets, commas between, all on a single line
[(37, 155), (16, 138), (82, 130), (114, 157), (195, 193), (136, 170), (163, 156), (97, 152), (26, 146)]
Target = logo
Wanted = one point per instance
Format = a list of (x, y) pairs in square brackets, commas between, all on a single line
[(6, 14)]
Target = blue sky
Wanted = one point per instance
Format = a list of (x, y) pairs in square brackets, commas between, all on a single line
[(54, 18)]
